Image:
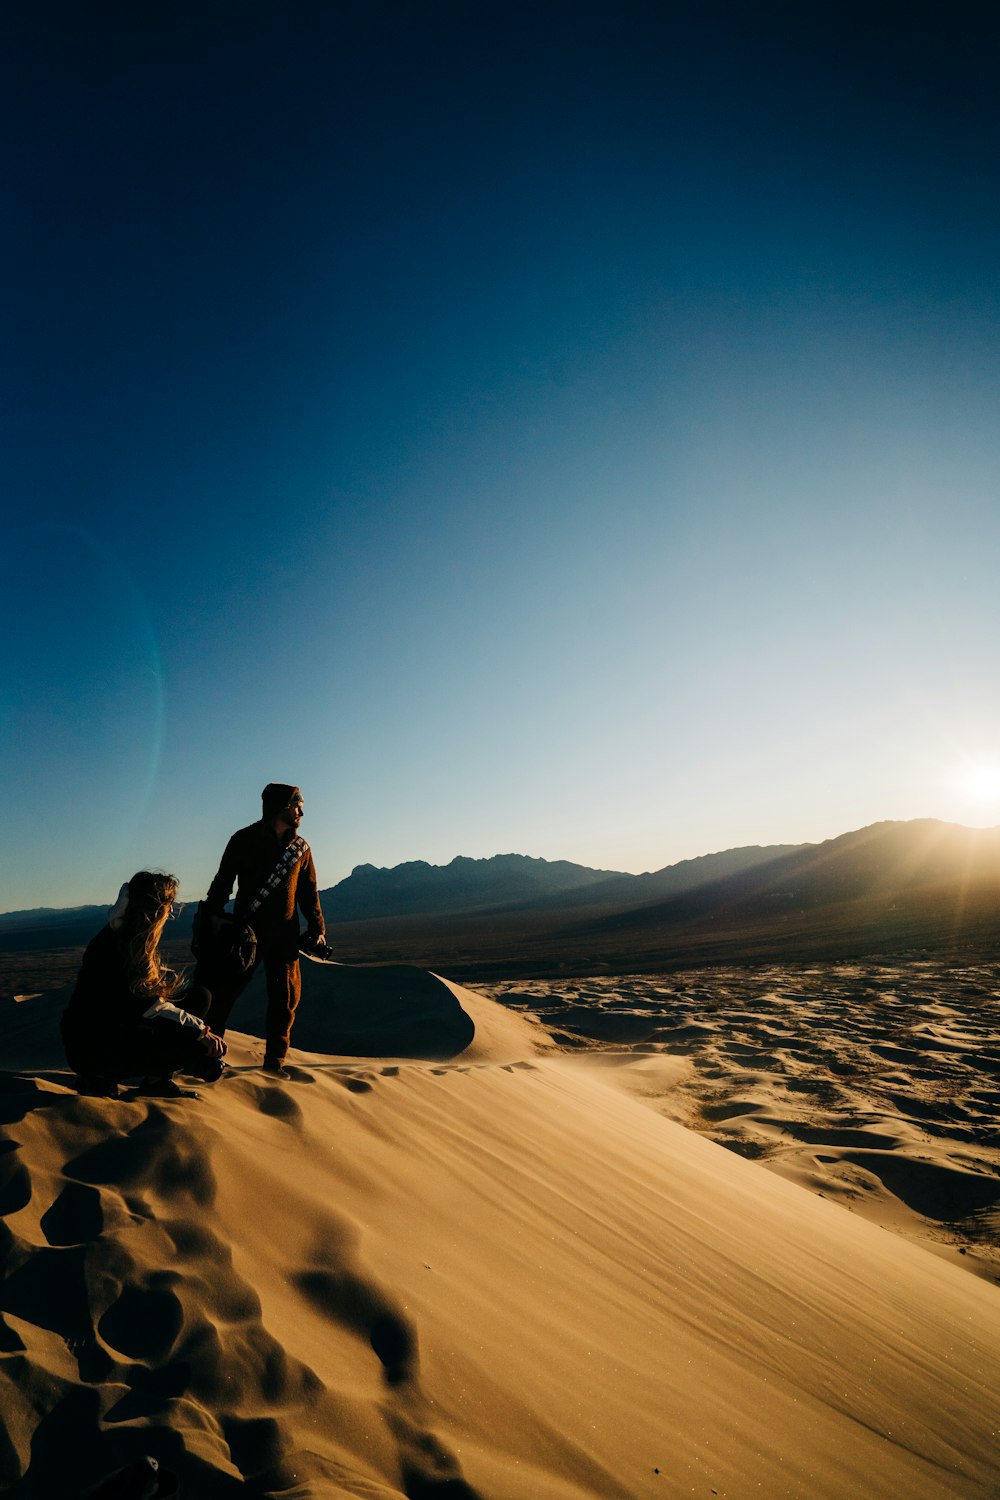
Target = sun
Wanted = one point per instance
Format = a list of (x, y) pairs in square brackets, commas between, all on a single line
[(981, 782)]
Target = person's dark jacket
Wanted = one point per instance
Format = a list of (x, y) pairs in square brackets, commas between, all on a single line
[(249, 858), (103, 1000)]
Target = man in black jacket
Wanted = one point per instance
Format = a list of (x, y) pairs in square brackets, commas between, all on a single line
[(250, 858)]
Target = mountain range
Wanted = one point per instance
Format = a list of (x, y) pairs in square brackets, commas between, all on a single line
[(416, 888), (892, 886)]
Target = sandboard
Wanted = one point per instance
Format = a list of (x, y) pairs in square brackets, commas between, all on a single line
[(365, 1010)]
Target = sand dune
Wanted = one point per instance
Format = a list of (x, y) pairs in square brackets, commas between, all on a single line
[(875, 1084), (497, 1276)]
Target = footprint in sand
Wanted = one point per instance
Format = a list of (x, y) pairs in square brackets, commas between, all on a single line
[(145, 1321), (429, 1470), (145, 1337), (15, 1184), (258, 1448), (272, 1100), (346, 1296), (75, 1217), (300, 1075), (18, 1097), (158, 1153), (10, 1342)]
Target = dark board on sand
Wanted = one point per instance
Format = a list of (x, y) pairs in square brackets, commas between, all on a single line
[(358, 1010)]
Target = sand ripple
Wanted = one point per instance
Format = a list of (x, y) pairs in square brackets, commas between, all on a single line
[(875, 1084)]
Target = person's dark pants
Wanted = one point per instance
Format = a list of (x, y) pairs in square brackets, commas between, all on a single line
[(284, 989), (147, 1049)]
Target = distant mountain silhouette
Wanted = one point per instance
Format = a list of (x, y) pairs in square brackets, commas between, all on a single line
[(50, 927), (462, 885), (883, 888), (45, 927), (881, 862), (888, 888), (687, 875)]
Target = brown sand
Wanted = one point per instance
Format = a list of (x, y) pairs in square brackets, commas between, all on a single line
[(876, 1085), (499, 1275)]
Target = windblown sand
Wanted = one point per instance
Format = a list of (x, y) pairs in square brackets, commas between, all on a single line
[(501, 1273), (875, 1085)]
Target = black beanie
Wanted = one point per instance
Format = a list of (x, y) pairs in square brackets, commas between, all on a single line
[(276, 797)]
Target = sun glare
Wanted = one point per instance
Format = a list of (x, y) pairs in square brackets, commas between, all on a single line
[(981, 783)]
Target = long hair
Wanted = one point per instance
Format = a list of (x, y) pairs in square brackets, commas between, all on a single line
[(150, 898)]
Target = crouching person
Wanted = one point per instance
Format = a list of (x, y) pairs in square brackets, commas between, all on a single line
[(129, 1015)]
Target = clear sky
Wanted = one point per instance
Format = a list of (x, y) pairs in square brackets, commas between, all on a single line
[(562, 428)]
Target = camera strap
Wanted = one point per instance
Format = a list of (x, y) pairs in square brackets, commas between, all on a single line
[(289, 859)]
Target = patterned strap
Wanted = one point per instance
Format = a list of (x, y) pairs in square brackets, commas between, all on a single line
[(296, 849)]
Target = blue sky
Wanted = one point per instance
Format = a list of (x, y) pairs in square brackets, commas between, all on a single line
[(570, 429)]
